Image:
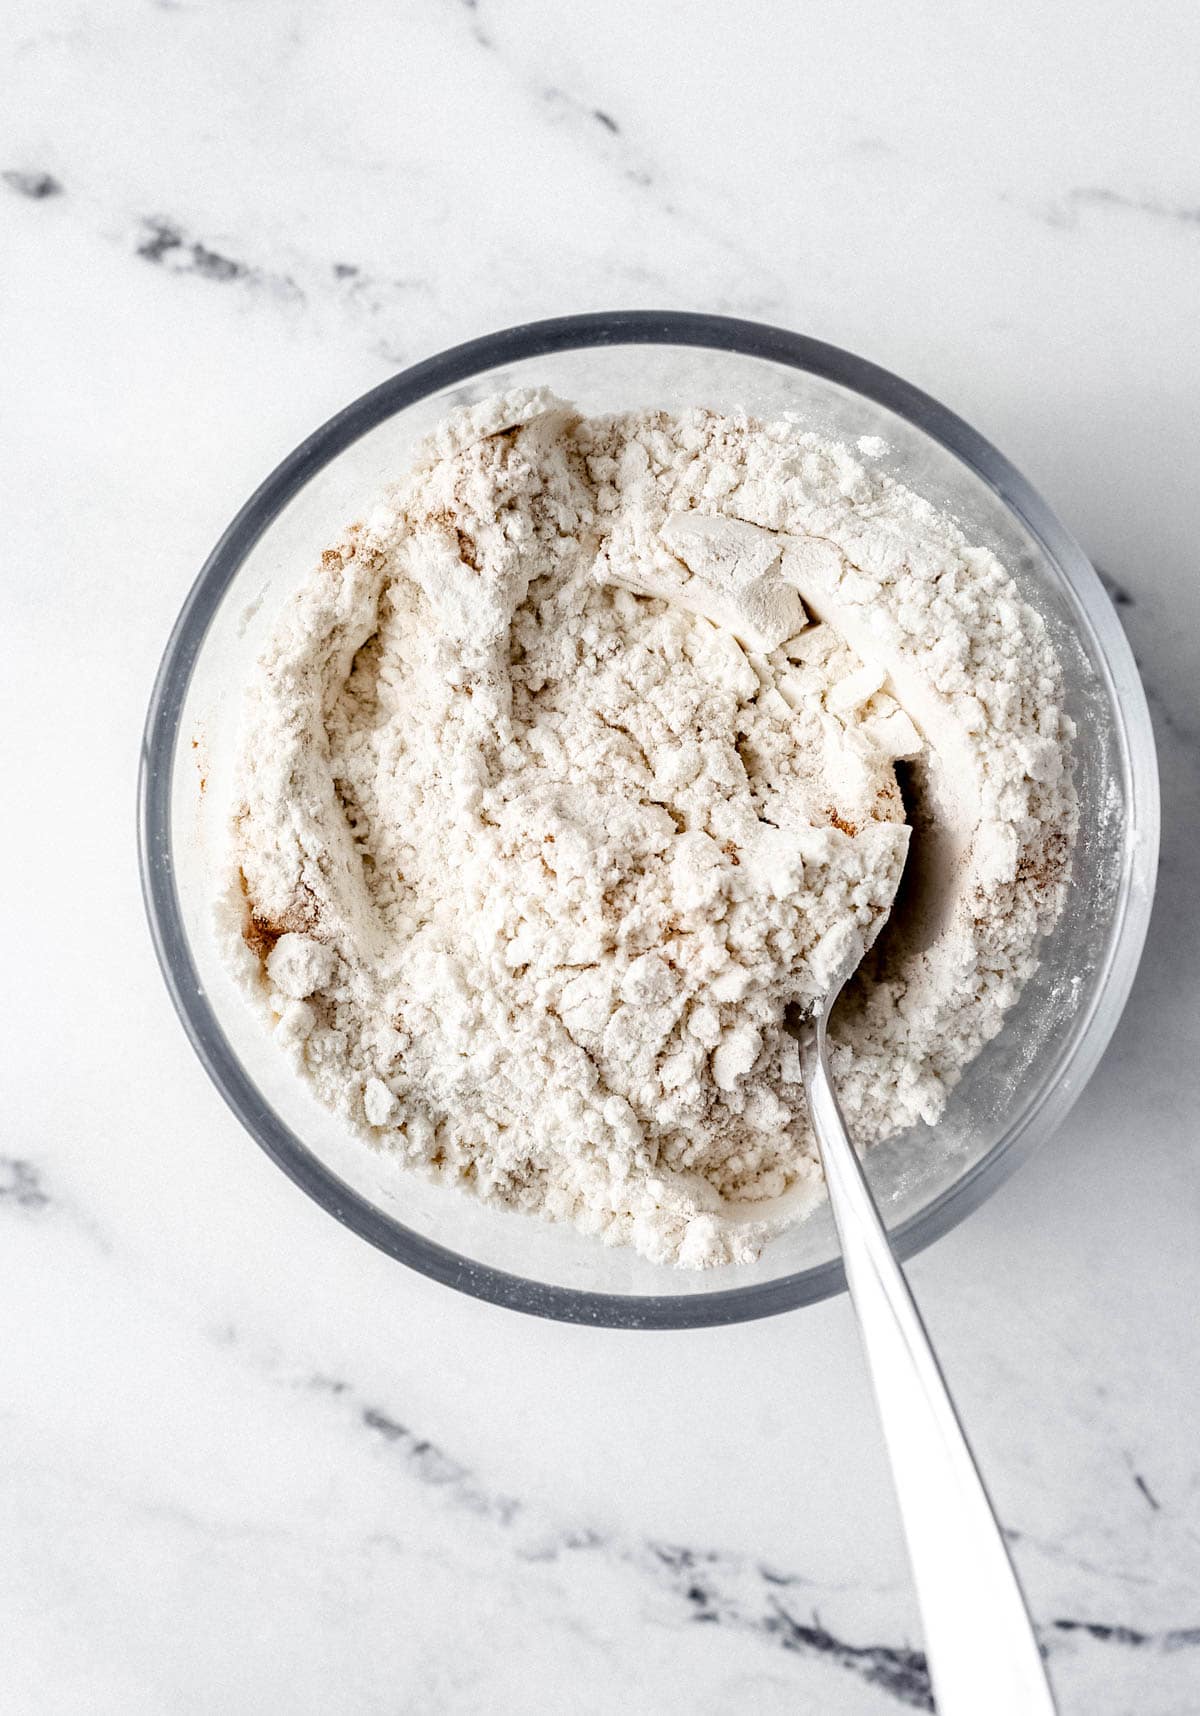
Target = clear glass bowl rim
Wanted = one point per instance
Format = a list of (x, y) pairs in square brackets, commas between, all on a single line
[(1092, 1028)]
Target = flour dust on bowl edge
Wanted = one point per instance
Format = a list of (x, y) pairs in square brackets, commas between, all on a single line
[(926, 1179)]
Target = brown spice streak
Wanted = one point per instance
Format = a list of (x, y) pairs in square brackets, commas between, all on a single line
[(468, 550), (260, 933), (333, 559), (1044, 866), (850, 828), (260, 936)]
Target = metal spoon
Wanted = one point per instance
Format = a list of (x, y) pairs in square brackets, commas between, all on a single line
[(979, 1641)]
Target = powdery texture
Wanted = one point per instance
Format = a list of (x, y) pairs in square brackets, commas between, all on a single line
[(573, 766)]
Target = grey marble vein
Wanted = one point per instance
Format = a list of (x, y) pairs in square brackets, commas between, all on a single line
[(711, 1588), (430, 1465), (692, 207), (1066, 210), (37, 186), (478, 33), (21, 1184), (167, 245), (902, 1672), (1099, 196), (1151, 1499), (1168, 1639)]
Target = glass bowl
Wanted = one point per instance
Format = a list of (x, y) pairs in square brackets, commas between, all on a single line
[(1009, 1100)]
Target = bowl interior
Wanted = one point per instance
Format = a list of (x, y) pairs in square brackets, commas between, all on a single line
[(1012, 1094)]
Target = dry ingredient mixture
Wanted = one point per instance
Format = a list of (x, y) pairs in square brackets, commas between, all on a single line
[(576, 762)]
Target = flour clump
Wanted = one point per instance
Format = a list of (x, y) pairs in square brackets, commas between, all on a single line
[(575, 763)]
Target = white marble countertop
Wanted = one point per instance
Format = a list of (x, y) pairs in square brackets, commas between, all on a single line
[(246, 1463)]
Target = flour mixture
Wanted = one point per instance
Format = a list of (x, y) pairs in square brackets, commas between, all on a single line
[(576, 762)]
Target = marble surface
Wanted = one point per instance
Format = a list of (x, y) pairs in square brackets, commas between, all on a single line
[(246, 1464)]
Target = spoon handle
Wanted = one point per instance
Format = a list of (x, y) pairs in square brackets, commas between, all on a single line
[(982, 1653)]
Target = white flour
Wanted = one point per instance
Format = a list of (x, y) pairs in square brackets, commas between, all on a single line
[(556, 790)]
